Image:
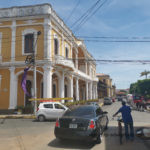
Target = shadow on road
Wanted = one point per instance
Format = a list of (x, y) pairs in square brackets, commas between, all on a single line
[(65, 144), (110, 142)]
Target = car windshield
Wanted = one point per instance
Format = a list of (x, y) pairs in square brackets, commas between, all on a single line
[(106, 99), (81, 111)]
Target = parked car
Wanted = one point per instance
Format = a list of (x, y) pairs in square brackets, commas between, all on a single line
[(50, 110), (107, 101), (86, 122)]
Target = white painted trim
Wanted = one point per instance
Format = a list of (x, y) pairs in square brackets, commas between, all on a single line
[(13, 41), (13, 88), (29, 31), (47, 39)]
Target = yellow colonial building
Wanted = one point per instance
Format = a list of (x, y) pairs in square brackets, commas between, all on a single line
[(60, 58), (104, 86)]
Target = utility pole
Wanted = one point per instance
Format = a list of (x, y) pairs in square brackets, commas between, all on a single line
[(30, 59), (34, 66)]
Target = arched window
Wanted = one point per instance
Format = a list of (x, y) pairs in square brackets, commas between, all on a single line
[(29, 41), (66, 52), (56, 46)]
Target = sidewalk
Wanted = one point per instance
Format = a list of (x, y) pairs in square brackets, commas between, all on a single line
[(29, 116), (18, 116)]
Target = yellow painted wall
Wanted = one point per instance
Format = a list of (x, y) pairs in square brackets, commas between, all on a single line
[(5, 23), (5, 88), (54, 32), (40, 42), (21, 95), (6, 44)]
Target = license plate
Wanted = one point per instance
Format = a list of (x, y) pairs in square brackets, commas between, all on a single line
[(73, 126)]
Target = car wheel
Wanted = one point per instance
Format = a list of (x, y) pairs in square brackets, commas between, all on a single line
[(41, 118), (99, 137)]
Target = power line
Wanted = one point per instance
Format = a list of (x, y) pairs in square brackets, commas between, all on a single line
[(74, 9), (85, 14), (88, 17)]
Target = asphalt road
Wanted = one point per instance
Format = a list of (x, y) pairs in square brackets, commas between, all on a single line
[(28, 134)]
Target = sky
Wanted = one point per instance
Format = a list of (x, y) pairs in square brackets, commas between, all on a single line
[(112, 20)]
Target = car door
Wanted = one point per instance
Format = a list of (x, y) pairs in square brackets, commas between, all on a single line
[(59, 110), (49, 110)]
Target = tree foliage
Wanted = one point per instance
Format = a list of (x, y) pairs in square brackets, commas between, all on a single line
[(145, 73), (141, 87)]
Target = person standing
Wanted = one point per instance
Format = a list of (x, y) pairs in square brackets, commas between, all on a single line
[(127, 119)]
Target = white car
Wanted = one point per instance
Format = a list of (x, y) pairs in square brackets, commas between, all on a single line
[(50, 110), (107, 101)]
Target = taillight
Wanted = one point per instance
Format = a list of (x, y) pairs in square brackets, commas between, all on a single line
[(57, 123), (91, 124)]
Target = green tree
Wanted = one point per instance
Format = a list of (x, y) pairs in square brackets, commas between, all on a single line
[(141, 87), (145, 73)]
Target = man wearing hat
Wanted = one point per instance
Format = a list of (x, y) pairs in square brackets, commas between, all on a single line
[(127, 119)]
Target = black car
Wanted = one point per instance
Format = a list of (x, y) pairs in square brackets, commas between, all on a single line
[(86, 122), (93, 103)]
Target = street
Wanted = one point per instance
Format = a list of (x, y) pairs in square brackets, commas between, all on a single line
[(29, 134)]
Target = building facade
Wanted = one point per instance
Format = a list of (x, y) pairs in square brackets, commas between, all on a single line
[(62, 69), (104, 86)]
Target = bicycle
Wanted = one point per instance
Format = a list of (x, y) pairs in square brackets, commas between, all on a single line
[(120, 133)]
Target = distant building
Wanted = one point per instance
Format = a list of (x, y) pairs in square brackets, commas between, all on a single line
[(60, 57), (104, 86)]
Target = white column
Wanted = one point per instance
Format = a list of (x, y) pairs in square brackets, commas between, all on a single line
[(77, 89), (61, 89), (47, 81), (91, 90), (71, 87), (96, 91), (62, 86), (13, 40), (13, 89), (47, 39), (87, 91)]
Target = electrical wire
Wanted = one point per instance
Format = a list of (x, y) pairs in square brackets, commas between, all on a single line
[(85, 14), (74, 9), (88, 17)]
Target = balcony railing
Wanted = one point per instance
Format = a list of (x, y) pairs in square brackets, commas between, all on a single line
[(61, 60)]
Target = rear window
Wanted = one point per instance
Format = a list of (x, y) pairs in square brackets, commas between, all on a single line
[(81, 111)]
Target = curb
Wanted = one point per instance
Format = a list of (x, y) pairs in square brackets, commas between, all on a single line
[(17, 117)]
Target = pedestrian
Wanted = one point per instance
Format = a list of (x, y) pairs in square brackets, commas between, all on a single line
[(138, 105), (127, 119)]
